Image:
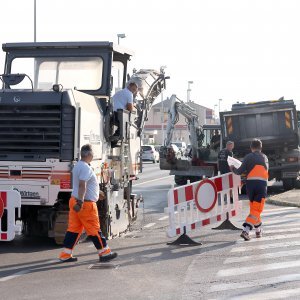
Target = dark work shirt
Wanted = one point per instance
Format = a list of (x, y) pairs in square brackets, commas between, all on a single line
[(250, 161), (222, 160)]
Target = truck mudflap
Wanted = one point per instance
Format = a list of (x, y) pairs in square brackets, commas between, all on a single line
[(9, 201)]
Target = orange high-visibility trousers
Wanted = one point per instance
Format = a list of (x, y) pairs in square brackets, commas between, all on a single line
[(256, 208), (87, 218)]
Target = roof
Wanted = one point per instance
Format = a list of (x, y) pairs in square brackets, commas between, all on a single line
[(65, 45)]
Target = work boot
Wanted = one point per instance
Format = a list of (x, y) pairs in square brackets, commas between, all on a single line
[(70, 259), (245, 235), (108, 257), (258, 233)]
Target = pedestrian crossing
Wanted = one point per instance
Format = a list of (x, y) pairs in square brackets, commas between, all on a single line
[(265, 268)]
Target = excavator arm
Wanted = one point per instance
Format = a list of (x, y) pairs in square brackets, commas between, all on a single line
[(150, 84), (194, 128)]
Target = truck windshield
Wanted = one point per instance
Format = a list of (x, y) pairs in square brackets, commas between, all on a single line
[(82, 73)]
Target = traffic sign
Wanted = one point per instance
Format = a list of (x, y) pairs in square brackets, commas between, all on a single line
[(206, 195)]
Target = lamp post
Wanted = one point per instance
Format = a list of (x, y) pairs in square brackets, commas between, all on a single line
[(220, 105), (120, 36), (189, 91), (34, 21), (162, 71), (215, 107)]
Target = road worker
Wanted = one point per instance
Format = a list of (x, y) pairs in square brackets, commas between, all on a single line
[(123, 99), (83, 212), (223, 166), (255, 165)]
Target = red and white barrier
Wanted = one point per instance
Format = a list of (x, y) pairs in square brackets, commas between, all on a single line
[(9, 201), (202, 203)]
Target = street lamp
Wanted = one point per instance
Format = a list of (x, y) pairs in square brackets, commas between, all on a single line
[(220, 105), (120, 36), (189, 91), (162, 71), (34, 21), (215, 107)]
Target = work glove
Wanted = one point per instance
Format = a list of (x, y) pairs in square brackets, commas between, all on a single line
[(78, 205)]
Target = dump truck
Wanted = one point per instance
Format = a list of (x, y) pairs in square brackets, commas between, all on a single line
[(56, 97), (275, 123)]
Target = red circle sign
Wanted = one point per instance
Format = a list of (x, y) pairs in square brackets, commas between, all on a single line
[(206, 195), (1, 208)]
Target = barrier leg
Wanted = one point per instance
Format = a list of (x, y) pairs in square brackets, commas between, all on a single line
[(226, 225), (184, 240)]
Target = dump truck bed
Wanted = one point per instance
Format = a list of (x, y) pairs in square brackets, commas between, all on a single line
[(274, 122)]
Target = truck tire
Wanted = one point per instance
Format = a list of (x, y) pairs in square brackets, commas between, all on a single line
[(180, 180), (289, 183)]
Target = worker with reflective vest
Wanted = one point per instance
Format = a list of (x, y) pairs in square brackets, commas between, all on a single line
[(83, 212), (255, 165)]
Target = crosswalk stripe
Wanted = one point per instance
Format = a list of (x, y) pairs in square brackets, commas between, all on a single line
[(231, 260), (258, 268), (267, 246), (280, 230), (279, 294), (279, 213), (280, 209), (271, 238), (280, 221), (294, 225), (254, 283)]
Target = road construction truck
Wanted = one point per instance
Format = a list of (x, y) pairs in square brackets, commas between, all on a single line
[(56, 97), (202, 160), (275, 123)]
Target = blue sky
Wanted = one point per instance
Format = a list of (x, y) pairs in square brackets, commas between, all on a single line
[(235, 50)]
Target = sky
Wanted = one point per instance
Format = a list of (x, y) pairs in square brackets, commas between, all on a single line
[(234, 50)]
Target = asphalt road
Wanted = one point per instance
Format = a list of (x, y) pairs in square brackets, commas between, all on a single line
[(224, 267)]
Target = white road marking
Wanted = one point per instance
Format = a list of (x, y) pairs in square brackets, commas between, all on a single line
[(160, 178), (254, 283), (271, 238), (258, 268), (163, 218), (279, 221), (149, 225), (267, 246), (18, 274), (247, 258), (279, 294), (294, 225), (280, 209), (280, 214)]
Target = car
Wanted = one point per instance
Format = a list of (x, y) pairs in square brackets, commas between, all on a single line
[(149, 153), (181, 146)]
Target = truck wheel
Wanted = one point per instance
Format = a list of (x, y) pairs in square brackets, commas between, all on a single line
[(180, 180), (289, 183)]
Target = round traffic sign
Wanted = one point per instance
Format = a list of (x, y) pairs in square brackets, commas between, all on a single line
[(206, 195)]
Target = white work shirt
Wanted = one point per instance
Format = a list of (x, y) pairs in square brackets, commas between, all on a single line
[(122, 98), (82, 171)]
